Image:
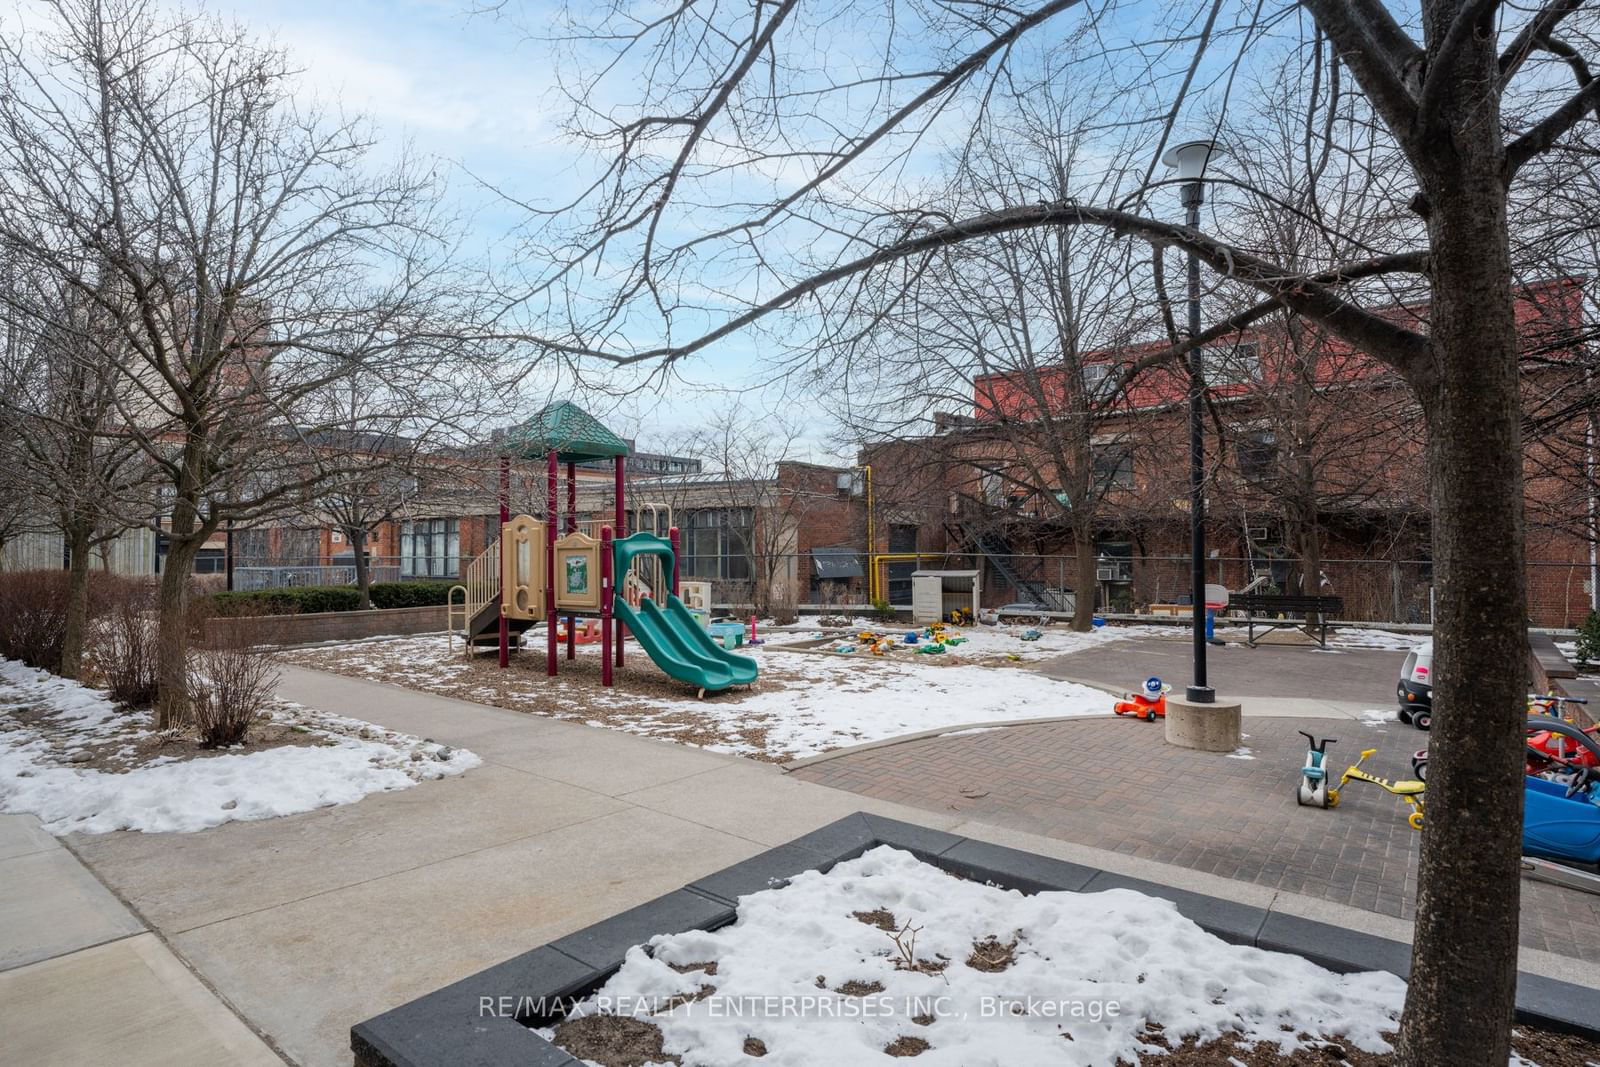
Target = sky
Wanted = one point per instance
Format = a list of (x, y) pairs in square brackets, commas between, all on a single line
[(463, 87)]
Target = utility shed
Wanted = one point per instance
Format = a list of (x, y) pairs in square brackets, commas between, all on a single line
[(935, 594)]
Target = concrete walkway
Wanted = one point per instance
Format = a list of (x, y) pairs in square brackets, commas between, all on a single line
[(82, 980), (311, 923)]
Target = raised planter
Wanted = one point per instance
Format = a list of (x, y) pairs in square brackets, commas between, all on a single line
[(310, 629), (485, 1020)]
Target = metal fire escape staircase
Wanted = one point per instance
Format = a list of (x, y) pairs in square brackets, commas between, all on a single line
[(997, 550)]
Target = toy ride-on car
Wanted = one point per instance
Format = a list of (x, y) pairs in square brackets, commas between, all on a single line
[(1414, 690), (1149, 704)]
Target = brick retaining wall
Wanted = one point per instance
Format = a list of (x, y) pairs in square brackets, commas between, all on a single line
[(330, 625)]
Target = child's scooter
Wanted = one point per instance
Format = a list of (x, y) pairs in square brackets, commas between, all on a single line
[(1314, 792), (1149, 704), (1407, 790)]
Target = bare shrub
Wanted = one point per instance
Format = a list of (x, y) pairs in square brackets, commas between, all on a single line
[(782, 607), (126, 653), (33, 617), (33, 611), (230, 682)]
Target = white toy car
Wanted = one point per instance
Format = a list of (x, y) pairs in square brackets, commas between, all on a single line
[(1414, 691)]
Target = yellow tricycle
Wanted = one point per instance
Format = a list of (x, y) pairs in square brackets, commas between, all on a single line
[(1407, 790)]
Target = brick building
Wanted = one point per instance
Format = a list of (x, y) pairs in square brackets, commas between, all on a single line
[(1316, 474)]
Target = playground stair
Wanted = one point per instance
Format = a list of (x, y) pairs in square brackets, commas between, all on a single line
[(476, 616)]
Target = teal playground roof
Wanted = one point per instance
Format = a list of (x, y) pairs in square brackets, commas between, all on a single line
[(567, 429)]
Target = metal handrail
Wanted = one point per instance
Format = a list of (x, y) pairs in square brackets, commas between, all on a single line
[(480, 585), (450, 613)]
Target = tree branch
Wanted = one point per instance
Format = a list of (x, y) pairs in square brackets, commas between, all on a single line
[(1549, 129), (1380, 53)]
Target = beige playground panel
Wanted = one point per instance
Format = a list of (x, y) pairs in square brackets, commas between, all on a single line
[(577, 573), (522, 568)]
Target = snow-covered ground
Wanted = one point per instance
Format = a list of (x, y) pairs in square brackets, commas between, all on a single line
[(843, 701), (805, 702), (1361, 637), (1093, 978), (46, 720), (982, 642)]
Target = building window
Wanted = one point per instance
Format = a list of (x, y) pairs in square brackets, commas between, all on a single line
[(1098, 379), (430, 548), (1258, 454), (1236, 365), (1113, 467), (716, 544), (211, 561)]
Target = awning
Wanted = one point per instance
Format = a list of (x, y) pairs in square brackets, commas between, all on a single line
[(838, 563)]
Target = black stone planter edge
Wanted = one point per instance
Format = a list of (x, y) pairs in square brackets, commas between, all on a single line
[(449, 1028)]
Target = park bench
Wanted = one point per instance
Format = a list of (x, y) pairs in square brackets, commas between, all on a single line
[(1286, 611)]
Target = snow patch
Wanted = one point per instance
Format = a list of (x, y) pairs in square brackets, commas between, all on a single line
[(1095, 966), (165, 794)]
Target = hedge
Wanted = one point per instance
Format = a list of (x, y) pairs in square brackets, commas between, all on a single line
[(296, 600), (309, 599), (410, 594)]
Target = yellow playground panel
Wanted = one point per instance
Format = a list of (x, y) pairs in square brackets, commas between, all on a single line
[(522, 568), (577, 570)]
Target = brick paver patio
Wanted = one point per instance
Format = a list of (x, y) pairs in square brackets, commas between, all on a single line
[(1115, 784)]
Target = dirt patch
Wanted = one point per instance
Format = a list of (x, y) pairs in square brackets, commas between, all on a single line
[(613, 1041), (754, 1046), (882, 918), (1539, 1046), (129, 741), (114, 756), (854, 988), (709, 967), (923, 1020), (992, 955), (643, 700), (1549, 1049), (906, 1045)]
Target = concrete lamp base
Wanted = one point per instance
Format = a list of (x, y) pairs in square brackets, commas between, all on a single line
[(1208, 727)]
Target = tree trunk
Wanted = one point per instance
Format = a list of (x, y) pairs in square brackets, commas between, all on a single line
[(1084, 577), (74, 633), (1464, 959), (357, 536), (172, 637)]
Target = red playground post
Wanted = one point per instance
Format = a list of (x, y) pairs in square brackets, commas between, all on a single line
[(673, 536), (505, 517), (552, 516), (605, 605), (619, 531), (572, 525)]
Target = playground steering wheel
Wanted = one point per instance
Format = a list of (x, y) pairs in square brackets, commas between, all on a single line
[(1568, 733)]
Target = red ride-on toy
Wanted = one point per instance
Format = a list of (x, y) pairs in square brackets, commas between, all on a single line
[(1149, 704)]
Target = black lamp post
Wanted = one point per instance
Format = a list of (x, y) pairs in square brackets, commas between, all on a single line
[(1189, 160)]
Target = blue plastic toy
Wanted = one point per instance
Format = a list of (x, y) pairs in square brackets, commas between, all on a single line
[(1314, 775), (1560, 822)]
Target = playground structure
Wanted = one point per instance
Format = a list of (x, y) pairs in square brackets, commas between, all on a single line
[(531, 574)]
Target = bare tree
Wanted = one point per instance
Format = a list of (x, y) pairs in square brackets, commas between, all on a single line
[(1023, 338), (387, 434), (59, 388), (756, 486), (245, 253), (745, 163)]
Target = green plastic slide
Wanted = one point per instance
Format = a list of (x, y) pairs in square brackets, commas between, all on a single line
[(677, 644), (673, 639)]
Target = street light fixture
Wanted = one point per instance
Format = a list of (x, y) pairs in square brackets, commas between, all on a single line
[(1190, 160)]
